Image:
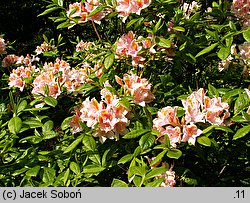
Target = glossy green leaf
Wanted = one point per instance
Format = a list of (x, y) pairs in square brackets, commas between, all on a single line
[(15, 125), (74, 167), (206, 50), (135, 133), (50, 101), (164, 42), (205, 141), (158, 157), (126, 158), (89, 142), (155, 172), (223, 53), (155, 183), (33, 172), (174, 153), (146, 141), (118, 183), (22, 106), (49, 175), (109, 60), (242, 132), (246, 35), (73, 145)]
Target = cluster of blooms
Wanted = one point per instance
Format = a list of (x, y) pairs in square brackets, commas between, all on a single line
[(83, 46), (198, 108), (241, 9), (129, 46), (2, 46), (137, 87), (18, 76), (9, 60), (189, 8), (27, 60), (126, 7), (44, 47), (78, 10), (108, 118), (245, 51)]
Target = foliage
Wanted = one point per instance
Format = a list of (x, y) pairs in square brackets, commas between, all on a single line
[(154, 93)]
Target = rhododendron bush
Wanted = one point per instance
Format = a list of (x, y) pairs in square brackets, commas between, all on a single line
[(129, 93)]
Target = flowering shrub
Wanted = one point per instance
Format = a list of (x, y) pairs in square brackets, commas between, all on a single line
[(130, 93)]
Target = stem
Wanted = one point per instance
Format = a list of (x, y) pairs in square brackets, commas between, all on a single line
[(96, 31)]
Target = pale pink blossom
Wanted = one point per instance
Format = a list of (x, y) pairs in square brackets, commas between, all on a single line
[(27, 60), (44, 47), (224, 64), (174, 134), (189, 8), (77, 10), (241, 9), (2, 46), (169, 177), (245, 52), (90, 6), (190, 132), (75, 122), (18, 76), (126, 7), (9, 60), (138, 87)]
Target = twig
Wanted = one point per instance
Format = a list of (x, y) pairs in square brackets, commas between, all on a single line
[(96, 31)]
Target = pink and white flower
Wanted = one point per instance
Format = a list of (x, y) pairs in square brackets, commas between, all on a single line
[(190, 132), (9, 60), (2, 46)]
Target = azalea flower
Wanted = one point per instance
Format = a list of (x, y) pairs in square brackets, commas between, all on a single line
[(190, 132), (2, 46), (9, 60), (241, 9), (138, 87)]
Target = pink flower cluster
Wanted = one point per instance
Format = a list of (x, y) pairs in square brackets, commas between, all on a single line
[(107, 118), (137, 87), (78, 10), (27, 60), (241, 9), (129, 46), (18, 76), (9, 60), (2, 46), (189, 8), (126, 7), (245, 51), (44, 47), (198, 108)]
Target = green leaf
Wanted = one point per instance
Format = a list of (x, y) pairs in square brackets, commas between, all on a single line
[(208, 129), (174, 153), (146, 141), (48, 126), (206, 50), (15, 125), (50, 10), (64, 25), (155, 183), (89, 142), (242, 132), (97, 10), (21, 106), (155, 172), (73, 145), (224, 128), (50, 101), (135, 133), (130, 23), (223, 53), (238, 119), (205, 141), (212, 91), (158, 157), (49, 175), (93, 169), (65, 124), (109, 60), (246, 35), (137, 170), (74, 167), (164, 42), (66, 176), (33, 171), (178, 28), (241, 103), (126, 158), (118, 183), (231, 93), (33, 123)]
